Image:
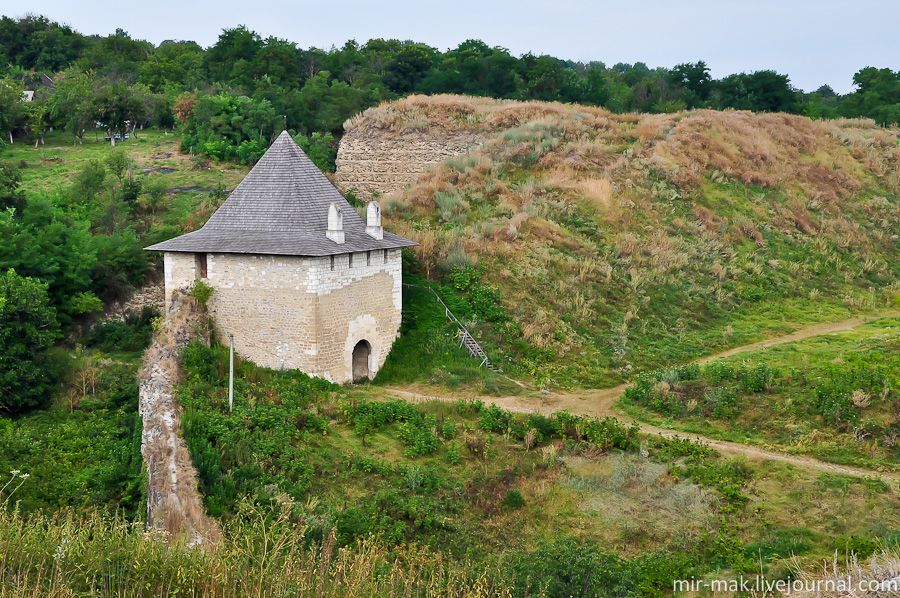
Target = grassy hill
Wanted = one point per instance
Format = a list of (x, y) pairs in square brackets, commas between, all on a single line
[(585, 248), (621, 243)]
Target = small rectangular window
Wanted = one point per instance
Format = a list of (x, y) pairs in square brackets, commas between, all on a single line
[(332, 262), (368, 258), (201, 265), (350, 263), (385, 256)]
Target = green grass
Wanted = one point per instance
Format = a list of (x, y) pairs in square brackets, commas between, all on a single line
[(458, 478), (428, 351), (84, 451), (56, 162), (805, 406)]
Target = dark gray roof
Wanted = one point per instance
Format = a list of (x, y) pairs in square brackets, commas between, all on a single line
[(281, 208)]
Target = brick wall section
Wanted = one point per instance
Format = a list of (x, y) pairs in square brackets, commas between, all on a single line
[(386, 164), (298, 312)]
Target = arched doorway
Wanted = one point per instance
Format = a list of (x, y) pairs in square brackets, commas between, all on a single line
[(361, 353)]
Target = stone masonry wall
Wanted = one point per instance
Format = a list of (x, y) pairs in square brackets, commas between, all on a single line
[(266, 303), (362, 302), (181, 271), (386, 164), (298, 312)]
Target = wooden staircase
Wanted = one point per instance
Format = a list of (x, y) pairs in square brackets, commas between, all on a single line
[(465, 337)]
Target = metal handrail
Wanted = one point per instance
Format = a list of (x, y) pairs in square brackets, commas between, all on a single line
[(477, 350)]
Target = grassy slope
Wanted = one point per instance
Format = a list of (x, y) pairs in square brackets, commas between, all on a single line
[(603, 270), (52, 169), (834, 397), (409, 480), (626, 242), (83, 450)]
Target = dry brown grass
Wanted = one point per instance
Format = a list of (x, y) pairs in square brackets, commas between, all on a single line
[(598, 192), (766, 150), (544, 168)]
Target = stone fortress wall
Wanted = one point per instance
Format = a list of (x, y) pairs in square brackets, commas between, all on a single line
[(385, 164), (300, 312)]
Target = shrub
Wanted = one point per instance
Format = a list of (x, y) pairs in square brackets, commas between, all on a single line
[(28, 327), (453, 455), (200, 291), (494, 419), (131, 333), (514, 498), (448, 430), (565, 567), (456, 259), (89, 181), (757, 379), (320, 148), (721, 401), (451, 207), (462, 277)]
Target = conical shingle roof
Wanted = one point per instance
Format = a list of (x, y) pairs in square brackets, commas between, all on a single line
[(281, 208)]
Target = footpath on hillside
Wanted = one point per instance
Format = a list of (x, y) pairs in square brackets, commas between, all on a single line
[(601, 403), (173, 500)]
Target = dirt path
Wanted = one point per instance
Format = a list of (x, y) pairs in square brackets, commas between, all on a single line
[(601, 402)]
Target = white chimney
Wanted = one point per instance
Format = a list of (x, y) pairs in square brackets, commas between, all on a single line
[(335, 223), (373, 221)]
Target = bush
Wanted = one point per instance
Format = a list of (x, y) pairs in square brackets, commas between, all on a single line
[(28, 327), (200, 291), (131, 333), (565, 568), (514, 498)]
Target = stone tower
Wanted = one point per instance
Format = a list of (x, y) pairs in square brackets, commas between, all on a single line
[(300, 280)]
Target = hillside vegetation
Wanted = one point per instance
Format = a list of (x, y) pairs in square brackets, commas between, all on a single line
[(620, 243), (586, 248)]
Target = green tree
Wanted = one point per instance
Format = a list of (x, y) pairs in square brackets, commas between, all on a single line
[(45, 244), (116, 57), (762, 91), (544, 76), (326, 106), (10, 194), (12, 106), (278, 60), (172, 63), (231, 55), (877, 96), (117, 104), (320, 148), (88, 182), (694, 81), (219, 126), (408, 67), (28, 328), (70, 104), (37, 119)]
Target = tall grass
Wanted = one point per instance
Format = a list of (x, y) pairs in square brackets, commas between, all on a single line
[(261, 554)]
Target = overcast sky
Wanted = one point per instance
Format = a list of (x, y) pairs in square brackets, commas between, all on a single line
[(813, 41)]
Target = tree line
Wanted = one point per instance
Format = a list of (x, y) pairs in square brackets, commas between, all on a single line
[(238, 91)]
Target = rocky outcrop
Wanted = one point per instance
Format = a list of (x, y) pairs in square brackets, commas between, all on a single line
[(384, 164), (152, 295), (173, 500)]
